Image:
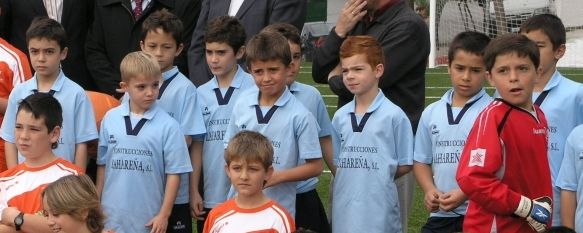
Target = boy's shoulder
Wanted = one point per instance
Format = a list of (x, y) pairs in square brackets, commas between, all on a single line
[(302, 87), (59, 163), (381, 105)]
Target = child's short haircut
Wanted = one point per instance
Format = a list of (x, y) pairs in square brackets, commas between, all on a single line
[(289, 31), (43, 106), (73, 195), (168, 22), (47, 28), (511, 43), (138, 63), (250, 146), (367, 45), (551, 25), (267, 46), (226, 29), (469, 41)]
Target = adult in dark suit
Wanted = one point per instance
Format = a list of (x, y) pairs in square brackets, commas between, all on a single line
[(116, 32), (76, 17), (254, 16)]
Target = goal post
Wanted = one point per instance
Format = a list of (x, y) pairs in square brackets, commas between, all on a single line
[(447, 18)]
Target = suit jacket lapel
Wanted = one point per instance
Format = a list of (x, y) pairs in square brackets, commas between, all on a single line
[(39, 7), (223, 6), (67, 9), (244, 7)]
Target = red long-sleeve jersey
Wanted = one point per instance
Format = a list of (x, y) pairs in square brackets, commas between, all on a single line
[(505, 156)]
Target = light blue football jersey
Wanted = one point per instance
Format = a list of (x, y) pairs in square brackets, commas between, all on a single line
[(311, 99), (562, 104), (217, 107), (78, 118), (441, 137), (371, 148), (137, 154), (293, 132), (178, 98), (571, 173)]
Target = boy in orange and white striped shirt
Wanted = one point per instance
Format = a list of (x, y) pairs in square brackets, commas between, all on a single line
[(249, 157), (37, 130)]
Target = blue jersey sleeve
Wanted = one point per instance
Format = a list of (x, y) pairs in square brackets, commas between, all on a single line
[(307, 138), (567, 178), (85, 129), (423, 146), (403, 134), (192, 121), (10, 117), (323, 119), (102, 143), (176, 156)]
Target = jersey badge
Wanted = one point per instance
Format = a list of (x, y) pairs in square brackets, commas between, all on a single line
[(434, 130), (477, 157)]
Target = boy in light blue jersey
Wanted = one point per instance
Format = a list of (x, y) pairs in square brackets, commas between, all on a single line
[(274, 112), (225, 44), (442, 133), (560, 99), (373, 142), (47, 47), (310, 213), (570, 181), (161, 36), (141, 153)]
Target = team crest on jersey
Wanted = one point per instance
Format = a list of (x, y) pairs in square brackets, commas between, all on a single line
[(243, 126), (206, 111), (477, 157), (111, 139), (581, 155), (434, 130)]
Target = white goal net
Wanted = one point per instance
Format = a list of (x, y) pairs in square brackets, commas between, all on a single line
[(447, 18)]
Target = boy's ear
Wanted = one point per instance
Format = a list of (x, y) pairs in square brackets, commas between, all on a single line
[(64, 53), (227, 170), (123, 86), (269, 173), (142, 46), (240, 52), (179, 49), (489, 78), (55, 134), (560, 52), (379, 70)]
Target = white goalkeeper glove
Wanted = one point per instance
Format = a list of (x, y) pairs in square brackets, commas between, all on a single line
[(537, 212)]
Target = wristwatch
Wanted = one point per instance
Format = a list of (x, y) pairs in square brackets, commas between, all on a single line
[(18, 221)]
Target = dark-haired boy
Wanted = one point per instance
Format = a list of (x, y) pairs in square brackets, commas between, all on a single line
[(224, 45), (47, 47), (37, 131), (504, 167), (161, 38), (561, 99), (310, 213), (442, 133), (273, 111)]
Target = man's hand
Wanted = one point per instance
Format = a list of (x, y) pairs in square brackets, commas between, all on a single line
[(537, 212), (352, 12), (432, 200), (196, 206)]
